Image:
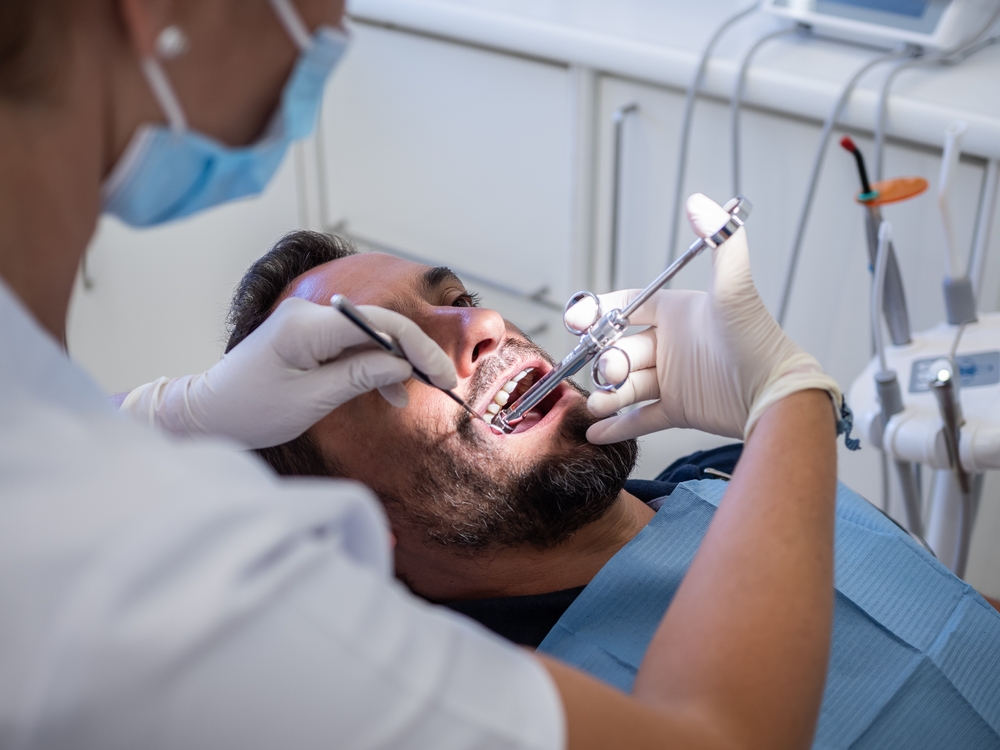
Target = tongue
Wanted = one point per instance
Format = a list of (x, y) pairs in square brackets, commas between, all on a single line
[(530, 420)]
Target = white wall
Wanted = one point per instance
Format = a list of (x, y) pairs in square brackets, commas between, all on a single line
[(160, 296)]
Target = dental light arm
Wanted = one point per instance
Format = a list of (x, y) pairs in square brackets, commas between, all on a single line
[(600, 337)]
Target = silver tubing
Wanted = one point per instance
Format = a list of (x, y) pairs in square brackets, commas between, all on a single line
[(689, 102), (618, 118)]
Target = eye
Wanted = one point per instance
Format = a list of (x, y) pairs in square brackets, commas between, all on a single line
[(466, 299)]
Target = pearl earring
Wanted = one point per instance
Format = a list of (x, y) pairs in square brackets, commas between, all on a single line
[(172, 42)]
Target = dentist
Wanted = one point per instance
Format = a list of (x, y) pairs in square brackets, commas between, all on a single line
[(173, 593)]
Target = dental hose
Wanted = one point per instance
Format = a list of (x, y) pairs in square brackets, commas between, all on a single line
[(817, 167), (954, 54), (737, 100), (689, 102), (890, 395)]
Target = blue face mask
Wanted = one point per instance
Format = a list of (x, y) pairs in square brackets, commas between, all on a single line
[(168, 173)]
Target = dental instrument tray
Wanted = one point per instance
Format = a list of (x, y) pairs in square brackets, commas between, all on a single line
[(599, 339)]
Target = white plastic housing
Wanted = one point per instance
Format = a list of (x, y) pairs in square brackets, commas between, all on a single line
[(959, 20), (915, 433)]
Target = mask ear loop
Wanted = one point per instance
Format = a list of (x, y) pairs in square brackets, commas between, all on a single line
[(164, 94), (293, 23)]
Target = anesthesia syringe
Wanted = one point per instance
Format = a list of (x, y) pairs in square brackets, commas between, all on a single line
[(601, 336)]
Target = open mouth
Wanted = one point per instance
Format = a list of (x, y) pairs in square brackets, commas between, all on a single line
[(516, 387)]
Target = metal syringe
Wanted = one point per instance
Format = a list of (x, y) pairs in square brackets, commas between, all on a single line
[(601, 336)]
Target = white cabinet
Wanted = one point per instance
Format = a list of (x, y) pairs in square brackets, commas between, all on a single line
[(159, 296), (455, 155)]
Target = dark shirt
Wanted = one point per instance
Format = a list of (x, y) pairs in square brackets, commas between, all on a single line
[(528, 619)]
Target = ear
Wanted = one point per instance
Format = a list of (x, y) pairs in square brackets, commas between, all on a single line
[(144, 20)]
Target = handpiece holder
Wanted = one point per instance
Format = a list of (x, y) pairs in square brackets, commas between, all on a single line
[(600, 337), (944, 386)]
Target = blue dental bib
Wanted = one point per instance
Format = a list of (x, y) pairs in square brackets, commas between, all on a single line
[(915, 661)]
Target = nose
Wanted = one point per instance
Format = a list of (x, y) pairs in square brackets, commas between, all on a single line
[(468, 334)]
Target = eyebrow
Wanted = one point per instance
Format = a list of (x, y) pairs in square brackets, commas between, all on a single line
[(436, 277)]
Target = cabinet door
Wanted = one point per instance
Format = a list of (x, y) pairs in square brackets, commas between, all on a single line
[(829, 313), (159, 297), (453, 154)]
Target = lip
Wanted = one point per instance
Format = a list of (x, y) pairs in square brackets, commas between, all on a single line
[(562, 394)]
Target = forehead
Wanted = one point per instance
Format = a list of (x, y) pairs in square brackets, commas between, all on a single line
[(365, 279)]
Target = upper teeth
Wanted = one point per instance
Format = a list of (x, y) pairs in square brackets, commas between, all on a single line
[(503, 395)]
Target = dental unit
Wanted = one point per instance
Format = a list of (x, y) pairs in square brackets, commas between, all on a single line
[(599, 338), (943, 412)]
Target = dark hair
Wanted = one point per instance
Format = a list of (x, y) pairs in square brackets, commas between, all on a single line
[(272, 273), (254, 300)]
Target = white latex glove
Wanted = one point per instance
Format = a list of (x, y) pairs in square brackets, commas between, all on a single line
[(712, 361), (288, 374)]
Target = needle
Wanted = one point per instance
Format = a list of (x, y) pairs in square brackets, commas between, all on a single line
[(389, 344)]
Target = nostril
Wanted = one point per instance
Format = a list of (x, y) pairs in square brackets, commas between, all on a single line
[(475, 351)]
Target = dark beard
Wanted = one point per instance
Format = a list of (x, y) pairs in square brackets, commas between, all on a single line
[(461, 494)]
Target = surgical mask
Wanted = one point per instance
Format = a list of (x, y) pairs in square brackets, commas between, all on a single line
[(167, 173)]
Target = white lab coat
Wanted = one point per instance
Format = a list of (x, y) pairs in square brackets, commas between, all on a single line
[(163, 594)]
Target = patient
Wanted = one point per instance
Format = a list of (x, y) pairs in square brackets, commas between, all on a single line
[(539, 536)]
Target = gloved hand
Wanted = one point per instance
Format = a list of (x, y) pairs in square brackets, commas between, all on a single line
[(288, 374), (713, 361)]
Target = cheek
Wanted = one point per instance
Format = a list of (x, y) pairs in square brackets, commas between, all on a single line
[(429, 411), (372, 440), (351, 433)]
